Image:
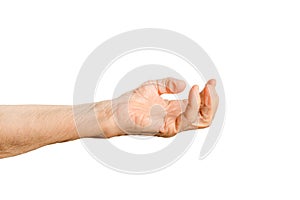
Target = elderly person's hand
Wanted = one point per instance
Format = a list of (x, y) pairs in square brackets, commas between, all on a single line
[(143, 111)]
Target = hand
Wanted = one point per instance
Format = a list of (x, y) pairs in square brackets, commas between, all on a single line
[(143, 111)]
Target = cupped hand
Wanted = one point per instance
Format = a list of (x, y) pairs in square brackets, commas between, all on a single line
[(143, 111)]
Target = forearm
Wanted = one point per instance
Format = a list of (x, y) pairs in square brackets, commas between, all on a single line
[(28, 127)]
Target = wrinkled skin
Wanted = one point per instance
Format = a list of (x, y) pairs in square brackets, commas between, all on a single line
[(143, 111)]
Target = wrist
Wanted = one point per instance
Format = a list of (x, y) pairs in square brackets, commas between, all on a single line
[(93, 119), (105, 119)]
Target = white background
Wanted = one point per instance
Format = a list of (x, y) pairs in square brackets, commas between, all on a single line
[(255, 46)]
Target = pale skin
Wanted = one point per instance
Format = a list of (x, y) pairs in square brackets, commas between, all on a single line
[(141, 111)]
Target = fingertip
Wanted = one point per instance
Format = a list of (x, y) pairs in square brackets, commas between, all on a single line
[(180, 85), (195, 88), (175, 85), (212, 82)]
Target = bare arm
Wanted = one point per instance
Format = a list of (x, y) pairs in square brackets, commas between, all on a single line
[(24, 128), (27, 127), (141, 111)]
